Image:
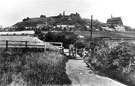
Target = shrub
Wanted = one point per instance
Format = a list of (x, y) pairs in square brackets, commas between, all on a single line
[(80, 43), (65, 37), (122, 57), (99, 53), (33, 69), (117, 62)]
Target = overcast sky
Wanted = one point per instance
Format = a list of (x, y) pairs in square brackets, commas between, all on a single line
[(13, 11)]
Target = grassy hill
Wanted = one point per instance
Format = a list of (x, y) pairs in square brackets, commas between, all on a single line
[(30, 22)]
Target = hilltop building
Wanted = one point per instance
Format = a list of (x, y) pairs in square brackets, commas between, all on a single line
[(62, 18), (65, 22), (116, 24), (115, 21)]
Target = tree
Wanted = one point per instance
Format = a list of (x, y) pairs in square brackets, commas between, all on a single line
[(42, 16), (26, 19)]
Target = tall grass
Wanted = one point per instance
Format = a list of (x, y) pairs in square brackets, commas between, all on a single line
[(32, 69)]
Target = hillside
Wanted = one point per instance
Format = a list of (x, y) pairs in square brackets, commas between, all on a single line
[(113, 35), (72, 19), (96, 23), (30, 22)]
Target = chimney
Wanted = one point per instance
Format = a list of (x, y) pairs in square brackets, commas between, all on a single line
[(111, 16), (63, 13)]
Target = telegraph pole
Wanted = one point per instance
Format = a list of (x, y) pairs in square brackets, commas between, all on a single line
[(91, 26)]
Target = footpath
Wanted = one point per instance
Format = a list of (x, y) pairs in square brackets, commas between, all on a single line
[(81, 75)]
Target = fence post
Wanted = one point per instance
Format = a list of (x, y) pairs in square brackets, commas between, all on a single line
[(26, 44), (6, 45), (45, 47), (69, 50), (62, 48), (75, 51)]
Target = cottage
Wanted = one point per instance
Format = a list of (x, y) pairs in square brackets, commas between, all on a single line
[(65, 26)]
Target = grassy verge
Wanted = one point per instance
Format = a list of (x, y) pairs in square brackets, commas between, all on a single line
[(32, 69)]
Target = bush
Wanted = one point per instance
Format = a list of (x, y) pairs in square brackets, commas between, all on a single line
[(32, 69), (80, 43), (65, 37), (117, 62)]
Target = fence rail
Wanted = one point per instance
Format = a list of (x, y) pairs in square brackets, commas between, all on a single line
[(26, 44), (11, 44)]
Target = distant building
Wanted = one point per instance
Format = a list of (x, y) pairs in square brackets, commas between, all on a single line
[(120, 28), (107, 29), (71, 26), (67, 27), (66, 19), (41, 26), (62, 26), (115, 21)]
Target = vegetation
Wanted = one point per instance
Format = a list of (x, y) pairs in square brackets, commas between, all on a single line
[(113, 35), (96, 24), (117, 62), (32, 69), (72, 19), (65, 37)]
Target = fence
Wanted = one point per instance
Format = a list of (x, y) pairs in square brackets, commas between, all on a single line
[(59, 45), (29, 44)]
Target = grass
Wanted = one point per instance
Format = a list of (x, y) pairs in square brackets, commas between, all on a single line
[(32, 69), (113, 35), (19, 42)]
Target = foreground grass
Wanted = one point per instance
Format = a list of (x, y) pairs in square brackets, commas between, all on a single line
[(32, 69)]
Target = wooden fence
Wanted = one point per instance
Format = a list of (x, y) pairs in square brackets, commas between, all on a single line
[(29, 44), (19, 44)]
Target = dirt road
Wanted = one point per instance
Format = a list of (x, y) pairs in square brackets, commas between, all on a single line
[(80, 75)]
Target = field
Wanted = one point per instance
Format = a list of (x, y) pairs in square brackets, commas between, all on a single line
[(113, 35), (19, 41)]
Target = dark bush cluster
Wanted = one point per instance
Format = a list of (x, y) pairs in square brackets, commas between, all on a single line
[(32, 69), (117, 62), (65, 37)]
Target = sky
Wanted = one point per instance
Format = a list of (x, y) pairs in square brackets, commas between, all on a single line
[(13, 11)]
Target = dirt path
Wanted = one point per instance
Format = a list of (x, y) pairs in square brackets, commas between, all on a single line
[(80, 75)]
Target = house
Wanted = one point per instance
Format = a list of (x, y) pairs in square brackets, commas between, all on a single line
[(62, 18), (120, 28), (62, 26), (41, 25), (65, 26), (115, 21), (71, 26), (107, 29)]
